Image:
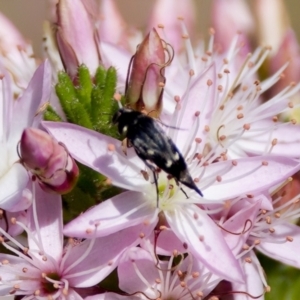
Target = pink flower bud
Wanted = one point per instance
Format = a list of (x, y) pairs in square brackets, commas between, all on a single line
[(145, 87), (76, 36), (49, 160)]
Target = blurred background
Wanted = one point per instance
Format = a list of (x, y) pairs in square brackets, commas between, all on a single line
[(29, 15)]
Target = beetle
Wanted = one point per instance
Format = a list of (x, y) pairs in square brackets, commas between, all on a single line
[(153, 146)]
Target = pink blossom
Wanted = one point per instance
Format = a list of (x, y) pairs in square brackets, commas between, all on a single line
[(48, 269), (18, 114)]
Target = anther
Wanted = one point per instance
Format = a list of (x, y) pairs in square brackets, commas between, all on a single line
[(234, 163), (161, 84), (177, 98), (88, 230), (37, 292), (277, 215), (209, 82), (240, 107), (195, 274), (196, 216), (197, 113), (183, 284), (240, 116), (157, 280), (185, 245), (220, 76), (163, 227), (219, 178), (107, 181), (146, 222), (274, 142), (264, 163), (289, 238), (220, 88), (268, 220), (13, 221), (111, 147), (294, 121), (206, 128), (246, 126), (198, 140), (291, 105), (24, 270), (142, 235), (117, 96), (222, 137), (191, 72), (211, 31), (160, 26), (248, 260), (275, 119), (226, 71), (256, 242), (246, 247), (201, 238), (185, 36), (175, 253), (271, 230)]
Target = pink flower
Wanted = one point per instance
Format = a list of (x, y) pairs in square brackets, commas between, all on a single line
[(217, 181), (16, 55), (142, 274), (18, 114), (48, 269)]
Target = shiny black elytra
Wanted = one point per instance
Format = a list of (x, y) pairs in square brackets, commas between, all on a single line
[(153, 146)]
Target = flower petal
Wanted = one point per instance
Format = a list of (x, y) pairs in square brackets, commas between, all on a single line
[(96, 263), (48, 228), (253, 284), (26, 107), (203, 239), (12, 186), (120, 212), (287, 252), (251, 175), (92, 149)]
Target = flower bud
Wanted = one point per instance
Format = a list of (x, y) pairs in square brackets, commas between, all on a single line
[(49, 160), (76, 36), (145, 86)]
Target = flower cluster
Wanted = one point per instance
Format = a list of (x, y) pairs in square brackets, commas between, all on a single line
[(148, 167)]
